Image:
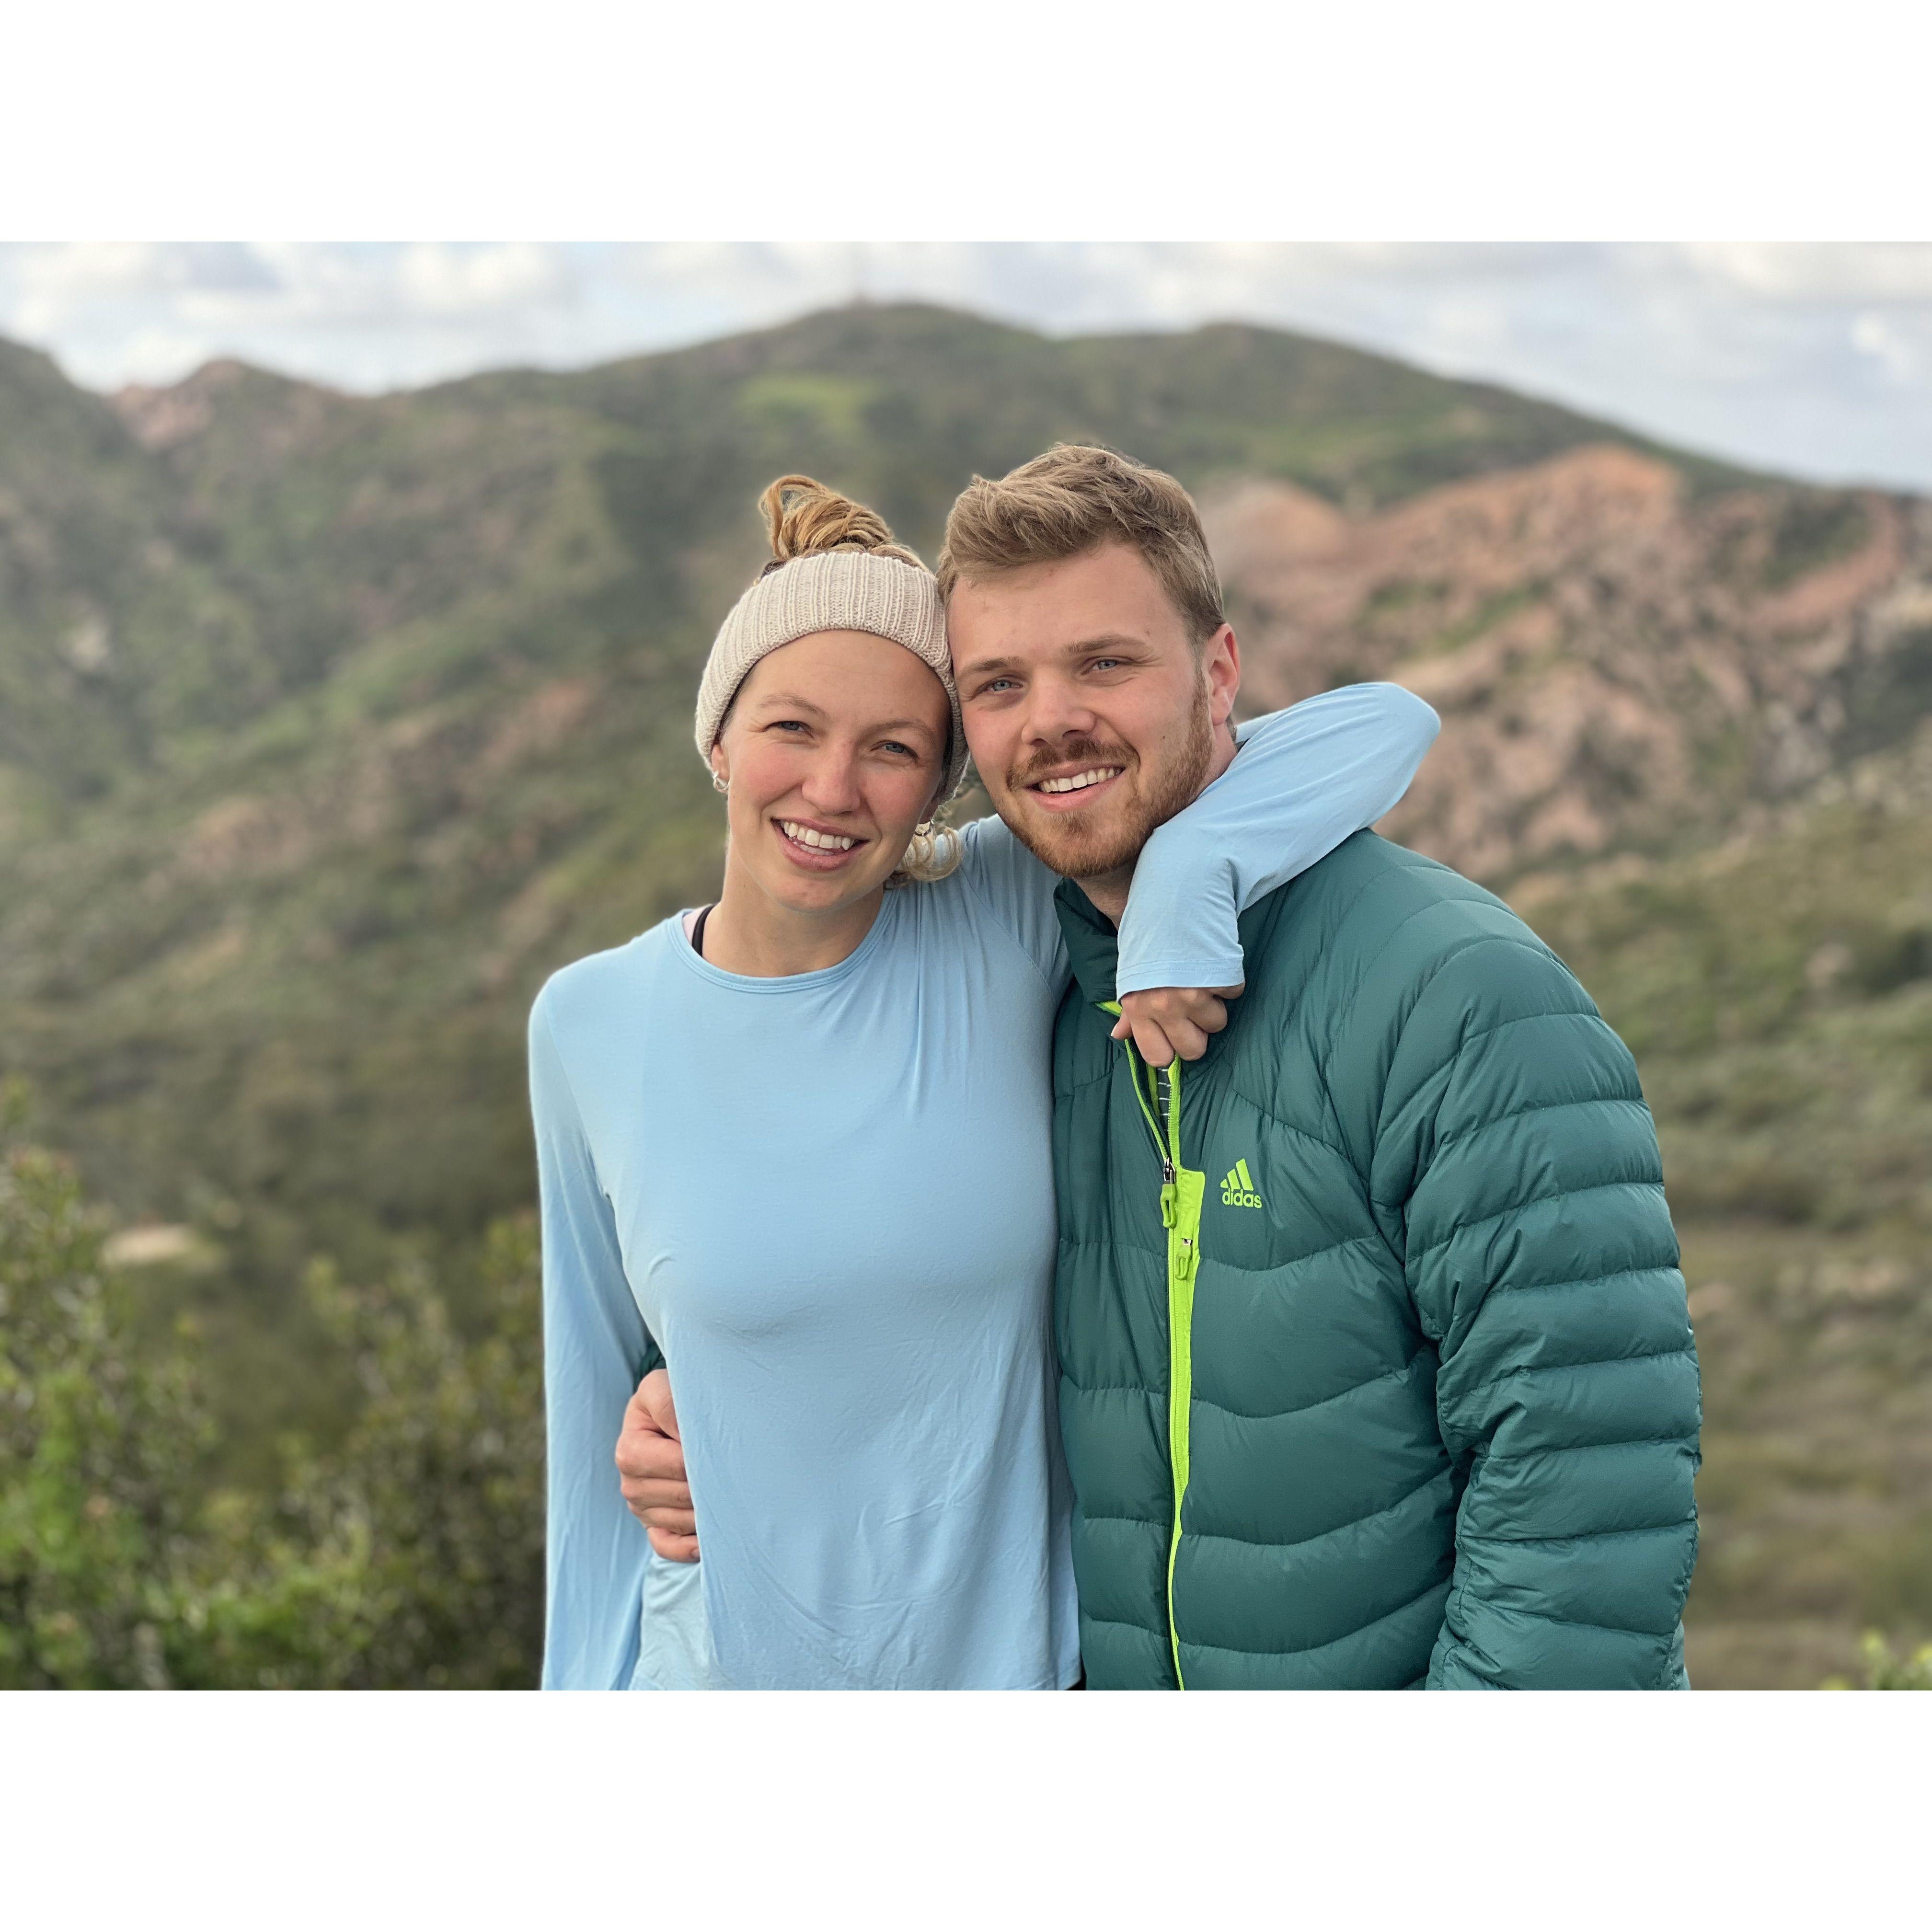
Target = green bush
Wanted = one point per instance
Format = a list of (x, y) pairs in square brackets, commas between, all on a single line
[(410, 1555), (1885, 1671), (99, 1454)]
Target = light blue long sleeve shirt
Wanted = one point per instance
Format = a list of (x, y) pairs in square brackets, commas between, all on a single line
[(828, 1198)]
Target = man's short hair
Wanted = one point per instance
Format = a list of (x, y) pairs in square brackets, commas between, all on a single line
[(1072, 499)]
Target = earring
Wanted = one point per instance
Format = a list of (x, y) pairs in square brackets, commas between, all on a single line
[(923, 830), (720, 784)]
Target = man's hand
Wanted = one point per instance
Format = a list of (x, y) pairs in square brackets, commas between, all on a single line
[(650, 1467), (1168, 1020)]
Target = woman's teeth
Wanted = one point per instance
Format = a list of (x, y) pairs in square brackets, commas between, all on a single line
[(1080, 780), (823, 842)]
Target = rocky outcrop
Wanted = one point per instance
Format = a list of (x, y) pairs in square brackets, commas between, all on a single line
[(1620, 664)]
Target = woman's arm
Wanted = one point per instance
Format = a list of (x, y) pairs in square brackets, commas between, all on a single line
[(1304, 779), (596, 1349)]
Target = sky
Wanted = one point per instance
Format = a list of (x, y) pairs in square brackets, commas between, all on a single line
[(1813, 359)]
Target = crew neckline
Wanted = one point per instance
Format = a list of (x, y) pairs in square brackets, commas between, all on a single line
[(787, 982)]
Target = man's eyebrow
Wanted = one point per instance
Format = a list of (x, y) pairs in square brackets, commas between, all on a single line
[(979, 667)]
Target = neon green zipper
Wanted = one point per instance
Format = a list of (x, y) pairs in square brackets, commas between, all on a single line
[(1182, 1189)]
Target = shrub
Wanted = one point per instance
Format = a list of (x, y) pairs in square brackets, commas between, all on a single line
[(410, 1555), (1885, 1671), (99, 1450)]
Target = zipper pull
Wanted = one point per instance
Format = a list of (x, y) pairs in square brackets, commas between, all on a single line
[(1170, 1200)]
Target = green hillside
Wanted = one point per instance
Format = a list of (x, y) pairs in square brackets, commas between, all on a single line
[(1778, 994), (335, 724), (330, 726)]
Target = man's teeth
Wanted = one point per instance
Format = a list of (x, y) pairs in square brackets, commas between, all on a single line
[(828, 841), (1080, 781)]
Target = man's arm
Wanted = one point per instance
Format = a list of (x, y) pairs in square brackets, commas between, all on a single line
[(651, 1472), (1516, 1170)]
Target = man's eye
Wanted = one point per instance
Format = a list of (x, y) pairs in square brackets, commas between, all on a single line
[(994, 686), (1106, 664)]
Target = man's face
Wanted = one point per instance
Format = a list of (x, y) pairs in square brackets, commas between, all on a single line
[(1091, 716)]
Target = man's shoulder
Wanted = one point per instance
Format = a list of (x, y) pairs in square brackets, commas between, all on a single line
[(1359, 941), (1370, 897)]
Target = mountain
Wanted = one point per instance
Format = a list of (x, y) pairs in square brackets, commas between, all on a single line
[(333, 724), (329, 725)]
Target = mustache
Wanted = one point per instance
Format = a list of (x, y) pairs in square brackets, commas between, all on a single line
[(1080, 751)]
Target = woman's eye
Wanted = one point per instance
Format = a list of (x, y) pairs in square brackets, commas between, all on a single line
[(902, 750), (789, 724)]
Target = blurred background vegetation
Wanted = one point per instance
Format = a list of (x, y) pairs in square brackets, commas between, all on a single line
[(329, 726)]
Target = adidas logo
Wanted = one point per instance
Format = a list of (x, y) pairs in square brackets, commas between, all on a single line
[(1238, 1187)]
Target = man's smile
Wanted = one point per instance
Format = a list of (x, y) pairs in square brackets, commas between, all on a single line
[(1070, 791)]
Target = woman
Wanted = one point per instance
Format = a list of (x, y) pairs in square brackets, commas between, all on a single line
[(798, 1146)]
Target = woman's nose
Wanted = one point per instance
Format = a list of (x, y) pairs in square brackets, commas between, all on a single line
[(831, 784)]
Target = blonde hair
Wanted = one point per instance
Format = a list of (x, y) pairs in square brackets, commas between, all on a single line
[(806, 518), (1071, 500)]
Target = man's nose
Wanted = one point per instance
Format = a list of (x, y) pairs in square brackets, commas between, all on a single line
[(1057, 708)]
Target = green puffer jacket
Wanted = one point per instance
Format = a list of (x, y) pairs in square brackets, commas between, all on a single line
[(1391, 1382)]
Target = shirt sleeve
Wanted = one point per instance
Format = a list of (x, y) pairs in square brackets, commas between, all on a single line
[(595, 1350), (1018, 890), (1303, 780)]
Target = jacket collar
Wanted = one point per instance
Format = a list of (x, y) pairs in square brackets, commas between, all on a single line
[(1093, 947), (1093, 944)]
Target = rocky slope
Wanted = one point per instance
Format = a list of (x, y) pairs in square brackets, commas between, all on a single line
[(1620, 665)]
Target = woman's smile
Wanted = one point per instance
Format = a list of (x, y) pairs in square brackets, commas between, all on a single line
[(816, 847)]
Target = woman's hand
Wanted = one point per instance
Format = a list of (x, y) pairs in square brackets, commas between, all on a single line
[(650, 1470), (1168, 1020)]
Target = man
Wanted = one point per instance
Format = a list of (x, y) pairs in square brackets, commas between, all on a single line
[(1375, 1367)]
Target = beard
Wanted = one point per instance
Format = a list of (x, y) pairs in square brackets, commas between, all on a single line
[(1094, 844)]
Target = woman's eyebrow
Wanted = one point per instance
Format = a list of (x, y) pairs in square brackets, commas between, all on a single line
[(785, 701)]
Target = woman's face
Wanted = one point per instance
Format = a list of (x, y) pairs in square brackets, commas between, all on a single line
[(834, 751)]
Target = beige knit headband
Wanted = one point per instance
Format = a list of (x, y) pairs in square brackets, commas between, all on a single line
[(832, 590)]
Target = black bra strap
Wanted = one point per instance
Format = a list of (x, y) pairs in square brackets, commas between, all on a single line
[(698, 931)]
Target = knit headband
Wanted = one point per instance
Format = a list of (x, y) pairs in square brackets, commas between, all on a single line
[(832, 590)]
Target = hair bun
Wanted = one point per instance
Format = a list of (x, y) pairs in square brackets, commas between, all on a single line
[(807, 519)]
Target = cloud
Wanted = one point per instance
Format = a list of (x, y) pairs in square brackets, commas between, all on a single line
[(1820, 272), (1811, 358)]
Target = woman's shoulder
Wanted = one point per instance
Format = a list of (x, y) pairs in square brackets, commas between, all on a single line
[(589, 990)]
